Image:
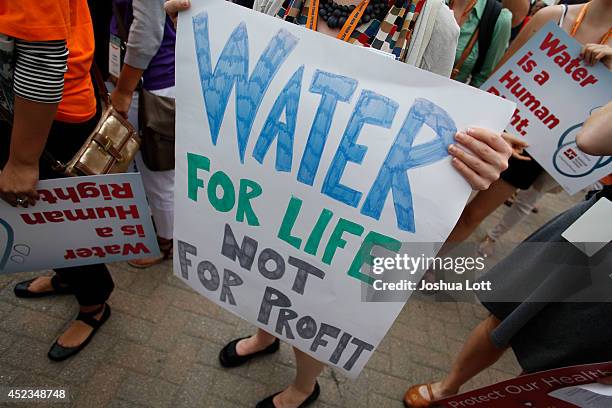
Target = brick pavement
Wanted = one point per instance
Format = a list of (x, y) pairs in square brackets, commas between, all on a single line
[(159, 349)]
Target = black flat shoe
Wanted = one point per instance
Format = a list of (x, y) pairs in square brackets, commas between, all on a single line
[(228, 356), (269, 402), (57, 352), (22, 289)]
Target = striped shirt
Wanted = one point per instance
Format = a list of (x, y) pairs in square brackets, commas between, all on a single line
[(39, 70)]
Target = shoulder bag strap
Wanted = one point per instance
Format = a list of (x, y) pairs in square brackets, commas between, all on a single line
[(487, 26), (99, 84), (466, 52)]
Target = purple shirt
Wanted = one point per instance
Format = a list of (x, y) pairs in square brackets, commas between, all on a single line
[(159, 73)]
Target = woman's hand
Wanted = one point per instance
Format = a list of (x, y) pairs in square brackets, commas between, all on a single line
[(592, 53), (518, 145), (605, 380), (121, 101), (18, 184), (172, 8), (487, 156)]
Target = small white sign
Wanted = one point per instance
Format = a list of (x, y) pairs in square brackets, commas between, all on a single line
[(593, 230)]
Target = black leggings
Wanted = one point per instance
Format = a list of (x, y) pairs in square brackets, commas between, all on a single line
[(91, 284)]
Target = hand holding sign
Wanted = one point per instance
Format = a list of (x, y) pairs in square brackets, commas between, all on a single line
[(593, 53), (487, 158), (173, 7), (18, 183), (518, 146), (605, 380)]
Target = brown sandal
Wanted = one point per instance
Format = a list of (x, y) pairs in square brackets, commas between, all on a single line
[(414, 399), (165, 246)]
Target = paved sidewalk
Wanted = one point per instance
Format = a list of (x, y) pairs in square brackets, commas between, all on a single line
[(159, 349)]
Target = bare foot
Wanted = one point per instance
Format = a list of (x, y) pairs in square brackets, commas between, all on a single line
[(41, 284), (252, 345), (438, 390), (78, 331), (291, 397), (144, 263)]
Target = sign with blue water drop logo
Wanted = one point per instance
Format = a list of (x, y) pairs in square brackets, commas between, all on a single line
[(555, 92)]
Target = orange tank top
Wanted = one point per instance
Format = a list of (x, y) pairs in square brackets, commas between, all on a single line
[(46, 20)]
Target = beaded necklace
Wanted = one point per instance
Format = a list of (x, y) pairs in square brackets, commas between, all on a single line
[(336, 15)]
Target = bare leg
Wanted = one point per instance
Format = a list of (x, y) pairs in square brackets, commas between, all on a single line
[(477, 354), (480, 208), (524, 203), (78, 331), (41, 284), (308, 369), (257, 342), (473, 214)]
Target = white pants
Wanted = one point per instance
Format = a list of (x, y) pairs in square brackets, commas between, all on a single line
[(524, 203), (159, 185)]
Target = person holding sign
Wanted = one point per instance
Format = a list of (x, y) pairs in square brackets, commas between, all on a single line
[(148, 37), (479, 169), (591, 25), (544, 331), (55, 111), (521, 10), (485, 34)]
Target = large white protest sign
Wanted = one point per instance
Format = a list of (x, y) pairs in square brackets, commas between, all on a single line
[(78, 221), (555, 92), (295, 154)]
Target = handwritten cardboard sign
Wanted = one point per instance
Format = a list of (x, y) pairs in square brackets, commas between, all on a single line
[(296, 155), (78, 221), (555, 92)]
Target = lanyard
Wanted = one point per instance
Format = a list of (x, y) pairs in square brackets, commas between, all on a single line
[(583, 10), (351, 22), (465, 12)]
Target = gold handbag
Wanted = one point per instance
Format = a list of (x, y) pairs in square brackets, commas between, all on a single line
[(112, 145), (110, 148)]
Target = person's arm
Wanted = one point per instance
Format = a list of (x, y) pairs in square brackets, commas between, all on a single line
[(551, 13), (145, 38), (595, 136), (519, 10), (499, 45), (38, 87), (439, 54), (593, 53), (605, 380)]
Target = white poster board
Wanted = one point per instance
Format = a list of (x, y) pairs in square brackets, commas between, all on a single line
[(78, 221), (293, 149), (555, 93)]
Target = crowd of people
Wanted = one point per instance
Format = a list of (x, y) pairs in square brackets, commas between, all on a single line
[(58, 43)]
